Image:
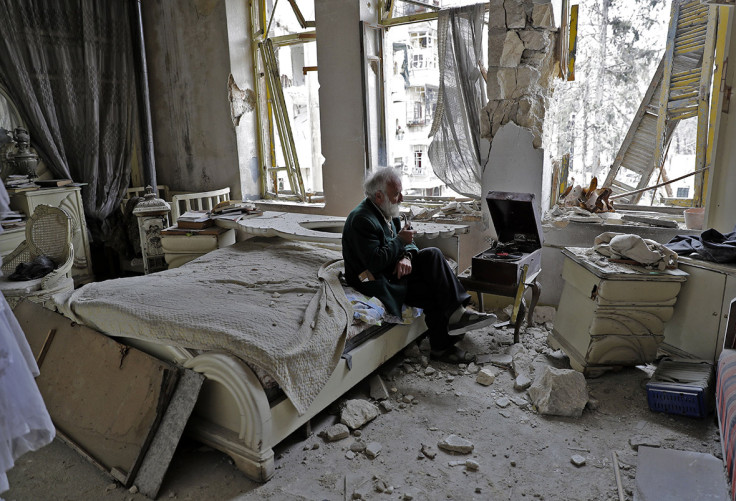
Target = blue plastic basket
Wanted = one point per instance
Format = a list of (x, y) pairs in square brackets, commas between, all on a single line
[(675, 398)]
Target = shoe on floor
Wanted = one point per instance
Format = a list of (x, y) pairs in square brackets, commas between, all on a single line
[(451, 355), (471, 320)]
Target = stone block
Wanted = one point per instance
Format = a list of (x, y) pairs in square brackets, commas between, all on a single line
[(527, 81), (496, 15), (358, 412), (506, 78), (559, 392), (515, 14), (513, 48), (535, 39), (455, 444), (543, 16), (496, 40)]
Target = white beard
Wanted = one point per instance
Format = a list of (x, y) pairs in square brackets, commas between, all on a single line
[(389, 209)]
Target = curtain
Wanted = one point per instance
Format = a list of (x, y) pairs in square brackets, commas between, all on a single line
[(68, 65), (455, 148)]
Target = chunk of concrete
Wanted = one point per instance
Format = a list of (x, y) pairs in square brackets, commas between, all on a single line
[(337, 432), (522, 382), (578, 460), (559, 392), (456, 444), (543, 314), (358, 412), (378, 388), (373, 449), (486, 377), (496, 14)]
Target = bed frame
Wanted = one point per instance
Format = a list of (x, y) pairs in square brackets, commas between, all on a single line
[(233, 414)]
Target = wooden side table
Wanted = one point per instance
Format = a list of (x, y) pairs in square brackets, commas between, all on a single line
[(514, 291)]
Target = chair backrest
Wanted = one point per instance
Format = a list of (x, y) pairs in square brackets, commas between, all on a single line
[(49, 233), (204, 200)]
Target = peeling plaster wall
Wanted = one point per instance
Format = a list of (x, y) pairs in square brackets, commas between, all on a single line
[(192, 47)]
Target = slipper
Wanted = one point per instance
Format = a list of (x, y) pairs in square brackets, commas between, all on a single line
[(471, 320)]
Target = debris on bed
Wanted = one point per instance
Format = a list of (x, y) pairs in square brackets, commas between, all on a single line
[(445, 211)]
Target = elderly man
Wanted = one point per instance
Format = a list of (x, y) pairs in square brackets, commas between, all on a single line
[(381, 260)]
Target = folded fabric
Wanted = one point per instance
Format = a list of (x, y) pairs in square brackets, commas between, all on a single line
[(630, 246), (372, 311), (711, 245), (39, 267)]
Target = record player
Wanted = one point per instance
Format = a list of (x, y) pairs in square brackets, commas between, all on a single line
[(519, 241)]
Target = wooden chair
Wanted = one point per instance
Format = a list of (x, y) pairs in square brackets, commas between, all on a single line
[(204, 200), (48, 233)]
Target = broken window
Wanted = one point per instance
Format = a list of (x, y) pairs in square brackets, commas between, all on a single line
[(285, 56)]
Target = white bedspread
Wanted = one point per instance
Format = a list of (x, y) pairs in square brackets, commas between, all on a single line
[(274, 303)]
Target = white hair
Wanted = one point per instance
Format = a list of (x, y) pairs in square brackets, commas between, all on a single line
[(378, 180)]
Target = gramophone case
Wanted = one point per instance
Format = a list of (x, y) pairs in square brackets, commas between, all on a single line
[(519, 243)]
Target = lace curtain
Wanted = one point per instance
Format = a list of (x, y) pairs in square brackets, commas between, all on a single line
[(68, 65), (455, 148)]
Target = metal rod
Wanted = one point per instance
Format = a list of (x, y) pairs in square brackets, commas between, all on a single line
[(658, 185), (618, 477), (149, 163)]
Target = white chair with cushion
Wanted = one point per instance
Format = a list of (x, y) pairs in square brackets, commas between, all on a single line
[(204, 200), (48, 233)]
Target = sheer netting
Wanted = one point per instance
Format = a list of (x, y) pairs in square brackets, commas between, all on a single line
[(455, 148), (25, 424), (69, 68)]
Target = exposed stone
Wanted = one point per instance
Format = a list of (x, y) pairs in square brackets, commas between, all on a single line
[(543, 16), (429, 371), (358, 412), (378, 388), (503, 402), (337, 432), (506, 78), (527, 79), (502, 360), (428, 451), (357, 446), (559, 392), (472, 368), (543, 314), (373, 449), (513, 48), (472, 465), (577, 460), (522, 382), (496, 40), (638, 441), (412, 351), (496, 14), (455, 444), (485, 377), (515, 14), (350, 455), (413, 493), (408, 399), (534, 39)]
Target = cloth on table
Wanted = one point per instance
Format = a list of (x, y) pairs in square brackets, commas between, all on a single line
[(274, 303), (629, 246), (711, 245), (25, 424)]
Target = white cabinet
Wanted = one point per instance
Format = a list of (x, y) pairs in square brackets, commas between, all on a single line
[(701, 312), (69, 199)]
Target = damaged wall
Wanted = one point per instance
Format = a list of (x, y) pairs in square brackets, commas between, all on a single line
[(192, 48), (521, 42)]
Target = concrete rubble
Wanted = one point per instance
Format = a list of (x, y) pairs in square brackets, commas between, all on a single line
[(356, 413), (559, 392), (456, 444)]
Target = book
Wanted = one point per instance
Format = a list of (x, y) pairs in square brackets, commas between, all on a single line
[(20, 189), (53, 182), (194, 220)]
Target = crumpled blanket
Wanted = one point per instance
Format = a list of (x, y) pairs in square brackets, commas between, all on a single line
[(711, 245), (274, 303), (629, 246)]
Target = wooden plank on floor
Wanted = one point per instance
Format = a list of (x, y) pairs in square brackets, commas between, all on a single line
[(105, 397)]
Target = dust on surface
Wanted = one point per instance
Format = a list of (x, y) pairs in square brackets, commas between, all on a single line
[(517, 453)]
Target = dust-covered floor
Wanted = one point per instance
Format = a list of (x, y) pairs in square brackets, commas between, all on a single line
[(519, 454)]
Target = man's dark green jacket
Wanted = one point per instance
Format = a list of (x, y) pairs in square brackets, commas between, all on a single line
[(369, 242)]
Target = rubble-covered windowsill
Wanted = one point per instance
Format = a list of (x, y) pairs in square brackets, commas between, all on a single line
[(561, 217)]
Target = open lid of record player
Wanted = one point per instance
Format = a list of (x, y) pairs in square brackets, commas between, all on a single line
[(515, 218)]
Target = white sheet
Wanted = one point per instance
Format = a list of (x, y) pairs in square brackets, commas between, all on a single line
[(271, 302)]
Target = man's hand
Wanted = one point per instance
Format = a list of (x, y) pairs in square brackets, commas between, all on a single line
[(406, 235), (403, 267)]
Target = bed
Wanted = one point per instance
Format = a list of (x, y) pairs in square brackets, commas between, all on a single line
[(262, 310)]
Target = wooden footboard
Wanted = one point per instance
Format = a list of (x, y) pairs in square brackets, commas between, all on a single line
[(233, 414)]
